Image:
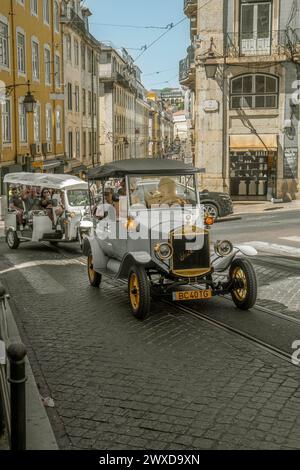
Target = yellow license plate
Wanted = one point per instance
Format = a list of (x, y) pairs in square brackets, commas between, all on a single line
[(192, 295)]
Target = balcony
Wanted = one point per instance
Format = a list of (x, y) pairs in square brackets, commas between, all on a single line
[(187, 70), (190, 8), (276, 44)]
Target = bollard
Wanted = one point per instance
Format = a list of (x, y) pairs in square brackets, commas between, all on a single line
[(16, 354)]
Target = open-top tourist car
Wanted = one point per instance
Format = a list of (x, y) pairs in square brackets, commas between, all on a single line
[(155, 234), (46, 208)]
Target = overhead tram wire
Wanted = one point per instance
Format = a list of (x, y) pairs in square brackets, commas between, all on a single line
[(171, 26), (129, 26)]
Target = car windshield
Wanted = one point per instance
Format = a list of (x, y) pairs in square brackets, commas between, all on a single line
[(163, 191), (78, 197)]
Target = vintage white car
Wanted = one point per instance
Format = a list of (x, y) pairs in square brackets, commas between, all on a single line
[(155, 234), (64, 219)]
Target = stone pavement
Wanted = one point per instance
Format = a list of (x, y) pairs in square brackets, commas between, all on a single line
[(1, 228), (171, 382)]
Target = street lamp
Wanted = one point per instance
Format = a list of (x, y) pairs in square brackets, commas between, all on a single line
[(29, 100), (211, 68)]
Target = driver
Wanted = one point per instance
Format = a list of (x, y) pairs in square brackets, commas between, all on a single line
[(167, 193)]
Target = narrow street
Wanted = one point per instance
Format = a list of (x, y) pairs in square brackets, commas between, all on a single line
[(174, 381)]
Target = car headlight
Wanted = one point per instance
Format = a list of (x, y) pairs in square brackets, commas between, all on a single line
[(223, 248), (163, 251)]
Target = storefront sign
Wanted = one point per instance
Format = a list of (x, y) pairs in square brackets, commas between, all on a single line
[(290, 163), (39, 165), (210, 106)]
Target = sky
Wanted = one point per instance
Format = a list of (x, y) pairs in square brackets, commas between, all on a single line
[(164, 55)]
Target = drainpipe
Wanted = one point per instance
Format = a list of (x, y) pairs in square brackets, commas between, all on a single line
[(14, 66), (224, 111), (93, 112)]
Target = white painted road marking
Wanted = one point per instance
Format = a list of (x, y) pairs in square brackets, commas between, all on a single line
[(291, 239), (275, 249), (34, 264)]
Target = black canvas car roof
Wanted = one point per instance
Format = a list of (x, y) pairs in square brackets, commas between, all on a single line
[(142, 166)]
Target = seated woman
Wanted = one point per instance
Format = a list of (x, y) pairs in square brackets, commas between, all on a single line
[(16, 204), (46, 203)]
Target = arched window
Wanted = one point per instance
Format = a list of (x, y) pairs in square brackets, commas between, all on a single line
[(254, 91)]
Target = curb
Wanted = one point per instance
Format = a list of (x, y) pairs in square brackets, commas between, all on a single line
[(228, 219), (39, 434)]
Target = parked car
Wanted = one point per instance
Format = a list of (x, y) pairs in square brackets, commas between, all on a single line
[(216, 204), (171, 255)]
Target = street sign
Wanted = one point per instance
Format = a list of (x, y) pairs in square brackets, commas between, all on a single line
[(210, 106), (290, 163), (37, 165)]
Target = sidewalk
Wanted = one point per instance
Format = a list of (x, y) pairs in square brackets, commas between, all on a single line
[(1, 228), (39, 432), (254, 207)]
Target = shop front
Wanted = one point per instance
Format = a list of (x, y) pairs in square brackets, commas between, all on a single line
[(253, 166)]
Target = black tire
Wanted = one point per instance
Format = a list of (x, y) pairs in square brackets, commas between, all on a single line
[(139, 292), (211, 209), (94, 277), (242, 269), (12, 240)]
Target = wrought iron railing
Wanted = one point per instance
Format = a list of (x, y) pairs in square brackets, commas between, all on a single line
[(185, 64), (272, 43)]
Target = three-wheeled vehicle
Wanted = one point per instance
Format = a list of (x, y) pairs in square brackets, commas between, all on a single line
[(37, 223), (155, 234)]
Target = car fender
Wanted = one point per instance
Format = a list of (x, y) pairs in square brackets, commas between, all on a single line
[(222, 264), (92, 246), (142, 258)]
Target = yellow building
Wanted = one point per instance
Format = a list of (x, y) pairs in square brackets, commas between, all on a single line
[(31, 53)]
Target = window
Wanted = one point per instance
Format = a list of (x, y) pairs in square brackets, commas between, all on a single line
[(90, 61), (84, 144), (83, 101), (57, 71), (254, 92), (256, 20), (69, 47), (56, 16), (4, 48), (94, 104), (70, 100), (48, 123), (37, 123), (58, 125), (47, 60), (70, 144), (90, 103), (90, 144), (35, 60), (46, 11), (83, 56), (77, 144), (6, 122), (21, 52), (22, 123), (76, 53), (34, 7), (77, 99)]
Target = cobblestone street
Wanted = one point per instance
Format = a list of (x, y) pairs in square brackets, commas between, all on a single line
[(169, 382)]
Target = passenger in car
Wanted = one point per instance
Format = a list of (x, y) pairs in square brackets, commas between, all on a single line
[(46, 203), (16, 204)]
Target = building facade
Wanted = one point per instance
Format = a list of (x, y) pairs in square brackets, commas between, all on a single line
[(31, 59), (81, 56), (242, 69), (124, 112), (161, 127)]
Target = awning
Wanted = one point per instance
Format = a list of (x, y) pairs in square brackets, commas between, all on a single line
[(48, 164), (254, 142), (78, 169)]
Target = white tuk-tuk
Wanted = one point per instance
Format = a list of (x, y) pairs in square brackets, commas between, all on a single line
[(46, 208)]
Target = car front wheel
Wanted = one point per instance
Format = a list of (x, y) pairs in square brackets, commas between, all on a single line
[(211, 210), (94, 277), (244, 280), (12, 240), (139, 292)]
